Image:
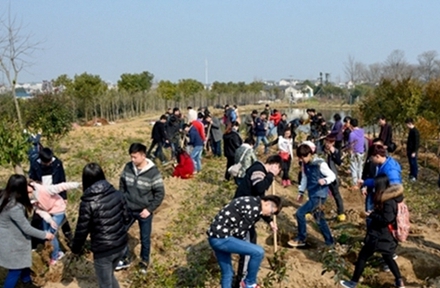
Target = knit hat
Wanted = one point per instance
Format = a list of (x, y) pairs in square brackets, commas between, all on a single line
[(192, 115)]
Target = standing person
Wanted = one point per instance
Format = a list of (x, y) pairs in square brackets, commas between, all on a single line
[(260, 132), (267, 111), (196, 146), (160, 138), (386, 132), (245, 155), (346, 130), (169, 112), (231, 142), (142, 185), (412, 148), (315, 178), (337, 131), (104, 215), (52, 208), (357, 148), (250, 123), (237, 114), (293, 125), (313, 119), (215, 134), (49, 170), (369, 171), (333, 160), (173, 127), (228, 230), (275, 118), (281, 127), (285, 150), (379, 237), (230, 116), (15, 248)]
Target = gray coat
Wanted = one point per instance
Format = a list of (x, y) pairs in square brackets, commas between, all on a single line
[(216, 133), (15, 231)]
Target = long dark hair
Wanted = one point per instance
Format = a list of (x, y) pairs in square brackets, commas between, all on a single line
[(92, 173), (381, 183), (16, 191)]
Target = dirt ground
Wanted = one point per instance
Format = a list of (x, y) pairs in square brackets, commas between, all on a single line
[(419, 257)]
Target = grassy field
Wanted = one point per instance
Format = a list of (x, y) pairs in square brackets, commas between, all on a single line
[(181, 256)]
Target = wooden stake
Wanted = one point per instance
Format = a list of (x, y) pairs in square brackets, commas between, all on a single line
[(275, 234)]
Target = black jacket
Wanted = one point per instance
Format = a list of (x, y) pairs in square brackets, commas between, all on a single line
[(172, 128), (102, 213), (58, 174), (413, 142), (379, 237), (231, 141), (386, 134), (158, 133), (256, 181), (281, 127)]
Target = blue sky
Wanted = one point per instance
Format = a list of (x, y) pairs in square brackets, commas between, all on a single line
[(242, 40)]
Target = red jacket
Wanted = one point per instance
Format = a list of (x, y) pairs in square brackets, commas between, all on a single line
[(200, 128), (185, 168), (276, 118)]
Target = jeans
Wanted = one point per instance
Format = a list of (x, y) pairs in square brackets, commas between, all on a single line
[(159, 150), (265, 142), (413, 168), (145, 225), (243, 262), (356, 166), (313, 206), (13, 276), (105, 267), (196, 156), (58, 218), (224, 247), (216, 148)]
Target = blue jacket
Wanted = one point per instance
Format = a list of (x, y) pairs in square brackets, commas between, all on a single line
[(260, 127), (391, 168), (194, 137)]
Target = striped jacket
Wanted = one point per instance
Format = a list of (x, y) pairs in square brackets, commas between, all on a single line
[(142, 189)]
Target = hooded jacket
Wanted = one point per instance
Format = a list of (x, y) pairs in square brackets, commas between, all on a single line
[(231, 142), (144, 189), (391, 168), (103, 213), (379, 237)]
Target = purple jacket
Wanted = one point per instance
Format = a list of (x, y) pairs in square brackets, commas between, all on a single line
[(337, 131), (356, 140)]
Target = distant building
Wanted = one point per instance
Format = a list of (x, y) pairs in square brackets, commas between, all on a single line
[(293, 93)]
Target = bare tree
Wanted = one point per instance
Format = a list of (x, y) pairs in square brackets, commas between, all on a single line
[(354, 70), (15, 50), (396, 66), (373, 73), (428, 65)]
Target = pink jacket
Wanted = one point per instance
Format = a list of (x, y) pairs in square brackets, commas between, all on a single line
[(47, 199)]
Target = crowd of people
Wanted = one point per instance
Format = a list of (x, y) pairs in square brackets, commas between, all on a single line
[(106, 213)]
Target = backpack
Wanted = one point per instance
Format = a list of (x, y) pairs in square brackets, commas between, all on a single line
[(402, 223)]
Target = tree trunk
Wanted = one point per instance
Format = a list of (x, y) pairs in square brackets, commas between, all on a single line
[(17, 107)]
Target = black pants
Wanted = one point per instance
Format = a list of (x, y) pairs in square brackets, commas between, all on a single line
[(334, 188), (159, 152), (285, 166), (230, 161), (241, 262), (366, 252)]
